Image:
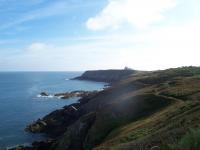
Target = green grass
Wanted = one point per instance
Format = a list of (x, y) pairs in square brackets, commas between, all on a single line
[(191, 141)]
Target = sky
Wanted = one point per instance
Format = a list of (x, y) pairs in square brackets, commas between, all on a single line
[(78, 35)]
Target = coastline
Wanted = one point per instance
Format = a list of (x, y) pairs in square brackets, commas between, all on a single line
[(20, 104), (145, 105), (41, 125), (38, 126)]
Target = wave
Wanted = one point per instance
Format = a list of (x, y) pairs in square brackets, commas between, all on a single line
[(49, 96)]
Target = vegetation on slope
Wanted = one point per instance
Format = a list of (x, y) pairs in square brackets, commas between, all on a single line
[(148, 110), (134, 102), (189, 141), (169, 125)]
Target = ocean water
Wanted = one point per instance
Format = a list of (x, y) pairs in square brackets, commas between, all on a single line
[(20, 105)]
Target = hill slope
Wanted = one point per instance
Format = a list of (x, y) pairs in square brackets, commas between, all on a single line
[(145, 111)]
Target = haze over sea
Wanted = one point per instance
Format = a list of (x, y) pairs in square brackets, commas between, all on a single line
[(20, 105)]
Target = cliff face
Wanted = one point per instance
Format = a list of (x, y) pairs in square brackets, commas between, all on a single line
[(108, 76)]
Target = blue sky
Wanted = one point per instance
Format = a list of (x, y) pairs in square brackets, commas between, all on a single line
[(57, 35)]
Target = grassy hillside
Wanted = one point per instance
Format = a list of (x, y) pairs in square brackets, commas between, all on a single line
[(143, 111), (146, 111), (166, 128)]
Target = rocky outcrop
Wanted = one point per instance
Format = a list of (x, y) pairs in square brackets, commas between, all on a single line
[(67, 95), (108, 76), (56, 123), (75, 94), (44, 94), (43, 145)]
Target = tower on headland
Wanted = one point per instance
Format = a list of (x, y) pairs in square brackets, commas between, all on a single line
[(127, 68)]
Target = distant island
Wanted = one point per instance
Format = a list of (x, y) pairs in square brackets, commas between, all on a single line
[(154, 110)]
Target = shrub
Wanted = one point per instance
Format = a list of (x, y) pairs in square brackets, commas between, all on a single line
[(191, 141)]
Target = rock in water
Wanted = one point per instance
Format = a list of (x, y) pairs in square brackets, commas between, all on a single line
[(44, 94)]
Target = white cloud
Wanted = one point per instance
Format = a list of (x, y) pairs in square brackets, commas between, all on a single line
[(139, 13), (166, 47)]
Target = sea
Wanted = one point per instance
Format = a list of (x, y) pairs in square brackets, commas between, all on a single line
[(20, 103)]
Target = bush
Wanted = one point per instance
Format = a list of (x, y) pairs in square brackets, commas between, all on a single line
[(191, 141)]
